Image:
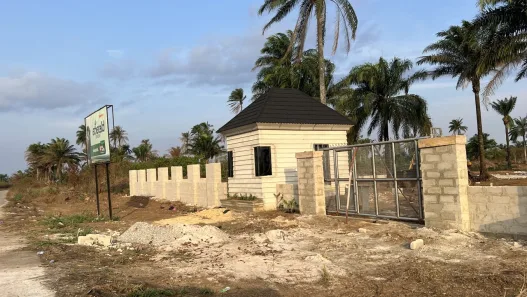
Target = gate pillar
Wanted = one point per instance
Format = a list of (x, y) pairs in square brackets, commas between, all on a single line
[(311, 196)]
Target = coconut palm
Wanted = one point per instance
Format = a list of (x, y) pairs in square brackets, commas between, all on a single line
[(34, 158), (174, 151), (203, 142), (185, 140), (60, 153), (519, 129), (119, 136), (236, 100), (459, 53), (381, 98), (143, 152), (122, 153), (308, 8), (456, 127), (276, 68), (506, 22), (504, 108), (81, 136)]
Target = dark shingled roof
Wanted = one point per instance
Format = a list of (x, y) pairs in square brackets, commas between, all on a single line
[(286, 106)]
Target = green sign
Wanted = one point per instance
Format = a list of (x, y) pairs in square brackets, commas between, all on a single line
[(97, 136)]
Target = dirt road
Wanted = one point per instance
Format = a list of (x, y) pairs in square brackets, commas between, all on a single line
[(20, 272)]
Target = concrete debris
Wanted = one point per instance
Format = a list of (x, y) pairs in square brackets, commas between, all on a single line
[(95, 240), (362, 230), (276, 235), (517, 245), (175, 235), (318, 258), (416, 244)]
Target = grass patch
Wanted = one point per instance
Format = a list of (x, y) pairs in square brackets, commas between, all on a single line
[(325, 277), (18, 197), (153, 293), (244, 197)]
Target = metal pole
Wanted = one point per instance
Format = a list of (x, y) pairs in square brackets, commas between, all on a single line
[(336, 178), (418, 180), (108, 187), (374, 181), (395, 180), (97, 191), (355, 186)]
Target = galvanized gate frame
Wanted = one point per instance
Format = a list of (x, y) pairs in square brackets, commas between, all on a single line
[(392, 172)]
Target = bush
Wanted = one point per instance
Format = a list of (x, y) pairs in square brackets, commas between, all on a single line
[(245, 197)]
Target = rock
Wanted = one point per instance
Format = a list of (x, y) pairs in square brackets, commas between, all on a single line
[(318, 258), (517, 245), (362, 230), (95, 239), (275, 235), (416, 244)]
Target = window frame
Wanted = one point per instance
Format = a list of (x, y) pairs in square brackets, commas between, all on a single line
[(230, 164), (258, 165)]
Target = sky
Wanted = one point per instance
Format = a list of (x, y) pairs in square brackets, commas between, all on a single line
[(167, 65)]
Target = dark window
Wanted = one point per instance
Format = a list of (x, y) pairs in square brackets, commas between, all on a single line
[(262, 161), (230, 164), (325, 160)]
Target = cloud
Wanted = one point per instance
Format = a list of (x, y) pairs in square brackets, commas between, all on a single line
[(120, 70), (115, 53), (33, 90)]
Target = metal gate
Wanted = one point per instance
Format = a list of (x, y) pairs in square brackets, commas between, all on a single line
[(382, 179)]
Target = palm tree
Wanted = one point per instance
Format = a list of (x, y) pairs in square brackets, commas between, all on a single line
[(144, 152), (381, 98), (277, 68), (34, 158), (456, 127), (504, 108), (317, 9), (519, 129), (81, 136), (185, 140), (118, 136), (174, 151), (506, 22), (459, 53), (236, 100), (60, 153), (203, 143)]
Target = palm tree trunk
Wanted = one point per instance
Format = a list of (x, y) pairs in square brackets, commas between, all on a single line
[(482, 167), (509, 165), (321, 63)]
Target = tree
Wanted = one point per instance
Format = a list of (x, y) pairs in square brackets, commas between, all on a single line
[(185, 140), (459, 53), (473, 147), (122, 153), (81, 136), (236, 100), (506, 22), (277, 68), (317, 9), (504, 108), (456, 127), (381, 98), (519, 129), (118, 136), (143, 152), (174, 151), (60, 153), (35, 158), (4, 178), (203, 142)]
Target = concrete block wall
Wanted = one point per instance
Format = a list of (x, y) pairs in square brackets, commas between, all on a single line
[(288, 192), (501, 210), (194, 190), (311, 196)]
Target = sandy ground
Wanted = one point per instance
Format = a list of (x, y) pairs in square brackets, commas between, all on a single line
[(20, 271)]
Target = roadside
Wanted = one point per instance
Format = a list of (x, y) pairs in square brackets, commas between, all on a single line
[(20, 272)]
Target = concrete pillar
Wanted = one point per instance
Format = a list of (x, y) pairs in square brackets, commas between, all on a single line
[(132, 181), (151, 181), (311, 198), (141, 183), (162, 180), (445, 182), (193, 177), (213, 172), (177, 178)]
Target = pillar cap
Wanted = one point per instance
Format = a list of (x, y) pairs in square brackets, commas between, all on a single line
[(442, 141), (308, 155)]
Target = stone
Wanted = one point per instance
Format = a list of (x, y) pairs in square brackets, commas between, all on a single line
[(362, 230), (416, 244), (517, 245), (95, 239)]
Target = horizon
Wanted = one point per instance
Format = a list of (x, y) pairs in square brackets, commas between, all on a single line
[(166, 69)]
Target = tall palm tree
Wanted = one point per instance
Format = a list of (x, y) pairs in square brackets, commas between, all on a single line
[(277, 68), (59, 153), (519, 129), (203, 142), (308, 8), (456, 127), (185, 140), (236, 100), (459, 53), (34, 158), (381, 97), (506, 22), (504, 108), (81, 136), (143, 152), (119, 136)]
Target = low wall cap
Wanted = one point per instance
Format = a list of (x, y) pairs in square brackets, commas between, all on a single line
[(311, 154), (442, 141)]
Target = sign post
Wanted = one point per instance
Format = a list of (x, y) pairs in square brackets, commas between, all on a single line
[(98, 147)]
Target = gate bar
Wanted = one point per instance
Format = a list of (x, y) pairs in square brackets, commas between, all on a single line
[(345, 147), (418, 176), (336, 173), (395, 181), (374, 181)]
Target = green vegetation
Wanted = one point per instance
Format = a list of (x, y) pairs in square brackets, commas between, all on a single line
[(154, 293), (236, 100), (245, 197), (456, 127), (519, 130), (504, 108)]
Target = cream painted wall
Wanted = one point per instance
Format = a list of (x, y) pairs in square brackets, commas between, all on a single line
[(284, 145)]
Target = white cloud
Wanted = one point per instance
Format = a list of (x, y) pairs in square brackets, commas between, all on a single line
[(115, 53), (123, 69), (33, 90)]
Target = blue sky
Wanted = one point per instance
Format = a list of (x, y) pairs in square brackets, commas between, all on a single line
[(167, 65)]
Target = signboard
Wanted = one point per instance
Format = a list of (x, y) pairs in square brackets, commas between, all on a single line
[(97, 136)]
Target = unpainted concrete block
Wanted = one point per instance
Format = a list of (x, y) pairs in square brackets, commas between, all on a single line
[(416, 244)]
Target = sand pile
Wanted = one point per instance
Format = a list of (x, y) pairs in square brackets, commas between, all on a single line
[(208, 216), (173, 235)]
